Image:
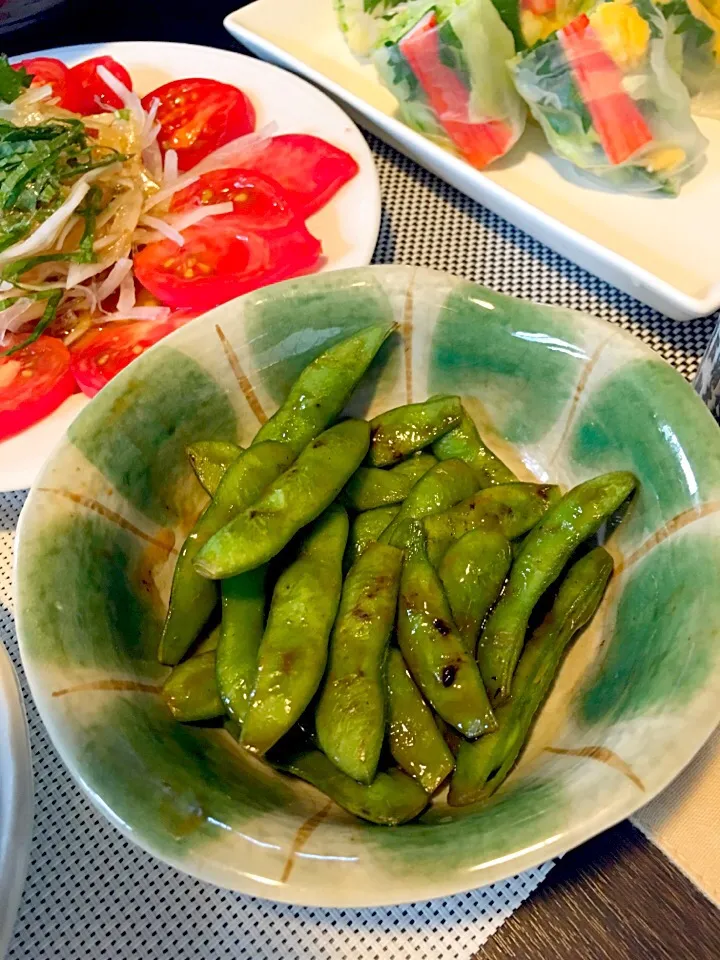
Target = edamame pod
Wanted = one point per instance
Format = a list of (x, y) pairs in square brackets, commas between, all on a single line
[(293, 650), (484, 765), (544, 554), (416, 743), (192, 597), (290, 503), (210, 459), (399, 432), (463, 442), (243, 616), (434, 650), (323, 388), (511, 509), (350, 717), (391, 798), (443, 486), (371, 487), (208, 643), (473, 572), (191, 690), (366, 528)]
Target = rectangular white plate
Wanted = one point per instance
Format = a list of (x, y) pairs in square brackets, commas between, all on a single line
[(663, 251)]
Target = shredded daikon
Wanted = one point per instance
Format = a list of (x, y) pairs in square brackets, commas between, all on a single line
[(130, 100), (139, 313), (170, 170), (80, 272), (121, 268), (164, 228), (18, 313), (126, 300), (187, 218)]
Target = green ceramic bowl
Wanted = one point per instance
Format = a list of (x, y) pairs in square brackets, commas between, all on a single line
[(562, 396)]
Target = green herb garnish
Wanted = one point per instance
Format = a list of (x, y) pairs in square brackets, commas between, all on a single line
[(12, 82)]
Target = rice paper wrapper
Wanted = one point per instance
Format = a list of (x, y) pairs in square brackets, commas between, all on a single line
[(695, 51), (446, 63), (610, 101), (361, 21)]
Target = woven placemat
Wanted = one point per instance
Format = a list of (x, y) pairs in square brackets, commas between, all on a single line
[(90, 892)]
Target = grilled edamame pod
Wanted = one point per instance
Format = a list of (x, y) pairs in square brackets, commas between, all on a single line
[(290, 503), (350, 717), (391, 798), (484, 765), (192, 597), (416, 743), (366, 528), (241, 630), (463, 442), (371, 487), (540, 562), (445, 484), (191, 689), (473, 572), (323, 388), (210, 459), (511, 509), (434, 651), (293, 650), (399, 432)]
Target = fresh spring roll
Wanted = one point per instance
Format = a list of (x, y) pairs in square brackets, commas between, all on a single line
[(445, 62), (695, 29), (532, 20), (609, 101), (362, 20)]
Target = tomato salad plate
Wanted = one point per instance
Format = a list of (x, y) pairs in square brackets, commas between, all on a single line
[(142, 184)]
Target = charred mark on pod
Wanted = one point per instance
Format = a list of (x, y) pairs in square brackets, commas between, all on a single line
[(448, 675), (442, 626)]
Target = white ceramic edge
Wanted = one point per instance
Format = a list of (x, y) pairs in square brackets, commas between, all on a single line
[(495, 871), (22, 475), (16, 797), (583, 250)]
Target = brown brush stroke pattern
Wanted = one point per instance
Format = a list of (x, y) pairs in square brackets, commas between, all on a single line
[(134, 686), (684, 519), (305, 831), (406, 330), (241, 377), (577, 396), (164, 544), (603, 755)]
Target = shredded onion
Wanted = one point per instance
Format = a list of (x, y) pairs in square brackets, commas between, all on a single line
[(230, 155), (170, 170), (80, 272), (44, 236), (126, 300), (18, 313), (164, 228), (130, 100), (63, 235), (187, 218), (120, 270), (140, 313)]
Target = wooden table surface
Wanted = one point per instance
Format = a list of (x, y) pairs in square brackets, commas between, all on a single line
[(614, 898)]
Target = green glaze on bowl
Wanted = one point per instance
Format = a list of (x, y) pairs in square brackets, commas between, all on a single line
[(561, 396)]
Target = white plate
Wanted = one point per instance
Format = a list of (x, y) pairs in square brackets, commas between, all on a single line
[(348, 226), (663, 251), (15, 797)]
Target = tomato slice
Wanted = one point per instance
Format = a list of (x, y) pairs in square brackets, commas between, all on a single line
[(33, 382), (259, 202), (197, 116), (86, 90), (47, 70), (221, 260), (104, 351), (310, 170)]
